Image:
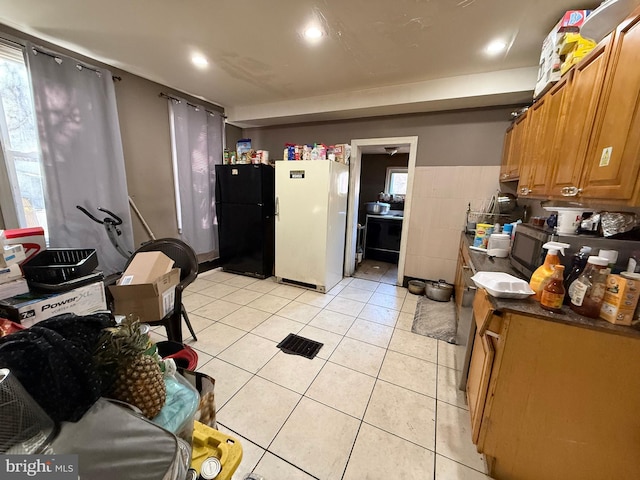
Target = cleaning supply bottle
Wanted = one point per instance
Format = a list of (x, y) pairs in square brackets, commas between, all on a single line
[(577, 266), (543, 272), (553, 292)]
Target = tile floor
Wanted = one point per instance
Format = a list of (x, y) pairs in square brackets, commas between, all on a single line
[(377, 271), (377, 402)]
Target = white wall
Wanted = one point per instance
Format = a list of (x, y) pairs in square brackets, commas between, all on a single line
[(438, 215)]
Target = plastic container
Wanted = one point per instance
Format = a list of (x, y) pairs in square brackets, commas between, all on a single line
[(208, 442), (57, 265), (498, 245), (502, 285), (587, 291), (578, 263), (543, 272), (553, 292), (483, 232)]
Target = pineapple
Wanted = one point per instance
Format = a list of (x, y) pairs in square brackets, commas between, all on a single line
[(130, 372)]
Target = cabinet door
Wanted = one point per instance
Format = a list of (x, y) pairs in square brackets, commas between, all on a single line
[(613, 157), (582, 95), (547, 139), (505, 166), (518, 137), (478, 381), (518, 148), (535, 149)]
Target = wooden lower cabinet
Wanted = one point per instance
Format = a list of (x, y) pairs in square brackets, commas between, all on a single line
[(554, 401)]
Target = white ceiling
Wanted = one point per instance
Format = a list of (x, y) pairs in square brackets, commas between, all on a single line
[(378, 57)]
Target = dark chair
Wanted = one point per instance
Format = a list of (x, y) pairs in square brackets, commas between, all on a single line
[(185, 259)]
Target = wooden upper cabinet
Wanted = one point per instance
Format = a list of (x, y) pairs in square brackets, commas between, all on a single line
[(548, 138), (613, 156), (582, 93), (505, 166), (533, 149), (518, 135)]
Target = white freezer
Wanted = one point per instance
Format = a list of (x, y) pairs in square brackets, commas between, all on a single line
[(311, 217)]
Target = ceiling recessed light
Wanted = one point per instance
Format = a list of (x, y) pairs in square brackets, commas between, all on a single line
[(496, 47), (313, 33), (199, 61)]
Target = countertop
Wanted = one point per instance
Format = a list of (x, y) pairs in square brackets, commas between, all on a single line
[(389, 216), (481, 262)]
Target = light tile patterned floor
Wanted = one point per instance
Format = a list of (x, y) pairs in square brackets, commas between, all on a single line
[(377, 402)]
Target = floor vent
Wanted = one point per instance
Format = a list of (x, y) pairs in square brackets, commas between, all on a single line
[(296, 345)]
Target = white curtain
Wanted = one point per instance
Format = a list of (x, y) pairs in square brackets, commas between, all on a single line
[(196, 136), (82, 154)]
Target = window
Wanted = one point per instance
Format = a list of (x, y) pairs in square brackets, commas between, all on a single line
[(396, 182), (22, 171)]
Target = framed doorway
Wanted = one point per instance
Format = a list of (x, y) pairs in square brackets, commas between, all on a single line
[(357, 148)]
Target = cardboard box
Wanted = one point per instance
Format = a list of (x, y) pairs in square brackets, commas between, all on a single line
[(550, 61), (11, 289), (31, 308), (11, 255), (620, 300), (9, 274), (147, 287), (32, 239)]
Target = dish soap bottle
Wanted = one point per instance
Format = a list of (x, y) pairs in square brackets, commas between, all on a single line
[(543, 272), (553, 292), (577, 266)]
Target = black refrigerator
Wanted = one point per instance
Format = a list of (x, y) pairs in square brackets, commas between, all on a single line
[(245, 208)]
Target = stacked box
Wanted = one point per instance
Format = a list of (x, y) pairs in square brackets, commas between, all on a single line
[(620, 299), (574, 47), (549, 71)]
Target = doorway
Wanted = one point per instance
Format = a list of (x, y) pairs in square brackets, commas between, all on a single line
[(372, 145)]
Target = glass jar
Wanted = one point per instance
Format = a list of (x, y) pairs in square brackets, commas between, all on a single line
[(587, 291)]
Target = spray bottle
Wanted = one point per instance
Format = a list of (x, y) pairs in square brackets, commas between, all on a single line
[(544, 272)]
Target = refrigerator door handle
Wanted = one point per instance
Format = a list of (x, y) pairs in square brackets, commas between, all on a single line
[(277, 212)]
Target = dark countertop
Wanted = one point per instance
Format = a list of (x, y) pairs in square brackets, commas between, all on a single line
[(481, 263)]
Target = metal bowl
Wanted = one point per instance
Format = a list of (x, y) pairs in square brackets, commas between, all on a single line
[(416, 287), (377, 208)]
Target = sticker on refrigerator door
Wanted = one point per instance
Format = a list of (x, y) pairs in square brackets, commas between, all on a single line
[(296, 174), (234, 171), (605, 158)]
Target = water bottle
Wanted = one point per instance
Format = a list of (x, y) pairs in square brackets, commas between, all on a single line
[(578, 263)]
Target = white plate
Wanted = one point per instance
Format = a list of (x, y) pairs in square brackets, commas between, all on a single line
[(502, 285)]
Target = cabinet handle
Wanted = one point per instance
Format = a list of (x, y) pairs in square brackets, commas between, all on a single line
[(505, 175), (466, 267), (570, 191), (471, 289), (525, 191)]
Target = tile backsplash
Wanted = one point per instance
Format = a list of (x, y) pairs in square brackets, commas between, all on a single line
[(439, 203)]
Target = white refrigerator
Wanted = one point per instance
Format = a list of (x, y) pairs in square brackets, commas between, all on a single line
[(311, 218)]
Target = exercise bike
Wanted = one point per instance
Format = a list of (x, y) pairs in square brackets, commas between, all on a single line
[(110, 223)]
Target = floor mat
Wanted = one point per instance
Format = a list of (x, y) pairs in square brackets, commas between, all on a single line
[(296, 345), (435, 319)]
